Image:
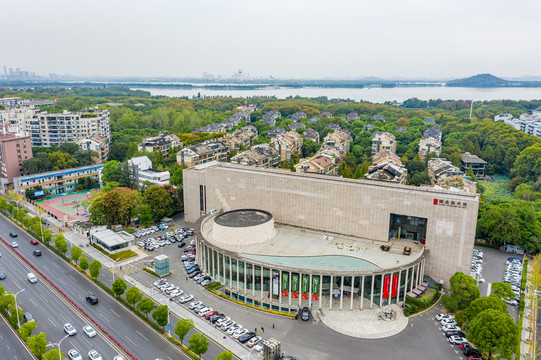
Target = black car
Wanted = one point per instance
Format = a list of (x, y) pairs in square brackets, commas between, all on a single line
[(216, 317), (194, 273), (2, 275), (455, 333), (13, 234), (37, 252), (305, 315), (92, 299), (182, 244), (244, 338), (469, 350)]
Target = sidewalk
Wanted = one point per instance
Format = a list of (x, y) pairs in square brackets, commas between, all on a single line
[(529, 322), (210, 331)]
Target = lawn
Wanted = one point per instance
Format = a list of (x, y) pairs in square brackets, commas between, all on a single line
[(122, 255), (497, 190)]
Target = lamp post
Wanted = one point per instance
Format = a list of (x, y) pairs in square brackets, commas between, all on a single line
[(59, 351), (16, 307)]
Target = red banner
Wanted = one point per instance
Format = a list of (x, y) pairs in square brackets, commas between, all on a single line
[(315, 297), (305, 296), (386, 283), (395, 285), (294, 295), (284, 292)]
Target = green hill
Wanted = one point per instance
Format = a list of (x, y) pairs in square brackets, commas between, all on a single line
[(480, 80)]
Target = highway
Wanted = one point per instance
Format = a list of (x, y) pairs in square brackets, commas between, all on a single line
[(50, 310), (131, 332), (11, 345)]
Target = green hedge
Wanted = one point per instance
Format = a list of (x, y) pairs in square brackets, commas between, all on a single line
[(417, 305)]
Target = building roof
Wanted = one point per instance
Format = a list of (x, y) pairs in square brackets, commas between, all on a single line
[(389, 136), (326, 114), (378, 118), (433, 132), (401, 129), (298, 115), (109, 238), (295, 125), (140, 161), (429, 121), (468, 158)]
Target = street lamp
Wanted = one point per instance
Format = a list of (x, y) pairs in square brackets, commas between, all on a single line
[(16, 307), (59, 351), (248, 355)]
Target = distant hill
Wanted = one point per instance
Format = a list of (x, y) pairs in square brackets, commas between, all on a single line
[(480, 80)]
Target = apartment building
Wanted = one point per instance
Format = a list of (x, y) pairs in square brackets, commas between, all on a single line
[(321, 163), (386, 165), (96, 143), (529, 123), (383, 141), (262, 155), (141, 168), (240, 137), (14, 149), (163, 143), (58, 182), (429, 145), (311, 134), (340, 140), (202, 153), (444, 174), (287, 144)]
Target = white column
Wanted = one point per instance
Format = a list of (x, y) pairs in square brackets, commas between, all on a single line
[(320, 290), (398, 291), (331, 295), (372, 292), (405, 285), (280, 288), (342, 292), (362, 291), (289, 293), (300, 290), (390, 288), (352, 288), (310, 291)]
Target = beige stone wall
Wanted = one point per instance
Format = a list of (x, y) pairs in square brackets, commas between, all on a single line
[(358, 208)]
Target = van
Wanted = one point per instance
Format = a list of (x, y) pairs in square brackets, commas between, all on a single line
[(32, 278)]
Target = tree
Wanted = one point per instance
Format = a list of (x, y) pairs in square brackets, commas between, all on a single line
[(502, 290), (76, 253), (420, 178), (183, 327), (94, 268), (37, 344), (494, 332), (111, 172), (528, 163), (145, 215), (470, 174), (26, 329), (465, 288), (198, 344), (159, 200), (53, 355), (60, 160), (133, 295), (114, 207), (13, 318), (225, 355), (145, 306), (6, 301), (161, 315), (83, 263), (119, 286), (60, 243)]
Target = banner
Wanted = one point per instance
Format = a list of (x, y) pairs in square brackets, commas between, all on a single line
[(315, 287), (295, 286), (275, 283), (305, 286), (386, 283), (285, 284), (395, 285)]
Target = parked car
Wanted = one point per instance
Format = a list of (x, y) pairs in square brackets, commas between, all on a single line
[(185, 298), (89, 330), (305, 315), (457, 340), (237, 334), (221, 321), (28, 317), (253, 340), (74, 355), (440, 317), (448, 322), (259, 346), (207, 282), (194, 304), (451, 328), (94, 355), (2, 274), (69, 329), (92, 299), (469, 350), (12, 234), (232, 328), (214, 318), (247, 337), (457, 333), (210, 314)]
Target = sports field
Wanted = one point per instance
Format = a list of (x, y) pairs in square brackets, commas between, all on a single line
[(69, 205)]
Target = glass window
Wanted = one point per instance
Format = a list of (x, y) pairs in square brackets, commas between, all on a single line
[(234, 269), (257, 277)]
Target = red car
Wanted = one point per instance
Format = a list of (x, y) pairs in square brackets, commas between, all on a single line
[(34, 242), (210, 313)]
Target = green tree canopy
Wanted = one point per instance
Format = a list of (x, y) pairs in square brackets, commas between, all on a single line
[(159, 200), (145, 305), (111, 172), (183, 327), (119, 286), (94, 268), (26, 329), (225, 355), (133, 295), (76, 253), (160, 314), (198, 344), (528, 163), (114, 207), (494, 332), (465, 287), (83, 263), (60, 243), (37, 344), (502, 290), (53, 355)]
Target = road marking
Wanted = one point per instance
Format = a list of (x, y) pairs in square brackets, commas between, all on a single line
[(32, 301), (115, 313), (18, 287), (43, 297), (87, 341), (71, 276), (52, 322), (104, 318), (137, 331), (62, 281), (63, 317), (72, 344), (45, 267), (130, 341), (169, 358)]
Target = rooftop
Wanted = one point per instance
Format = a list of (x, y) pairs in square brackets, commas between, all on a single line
[(243, 218)]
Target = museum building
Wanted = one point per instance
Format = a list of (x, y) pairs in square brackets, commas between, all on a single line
[(282, 240)]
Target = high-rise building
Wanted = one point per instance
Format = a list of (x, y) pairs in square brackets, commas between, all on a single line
[(14, 150)]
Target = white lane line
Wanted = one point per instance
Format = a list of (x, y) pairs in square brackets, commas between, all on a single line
[(169, 358), (17, 285), (88, 342), (130, 340), (143, 336), (115, 313), (45, 267), (72, 277), (63, 317), (52, 322), (62, 281), (72, 344), (32, 301), (104, 318), (43, 297)]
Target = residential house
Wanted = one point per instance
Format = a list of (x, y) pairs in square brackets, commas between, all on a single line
[(295, 126), (141, 170), (287, 144), (429, 121), (378, 118), (429, 145), (477, 164), (401, 129), (385, 156), (504, 117), (386, 165), (326, 114), (321, 163), (433, 132), (383, 141), (162, 143), (96, 143), (311, 134), (352, 116), (240, 137), (368, 127), (339, 140), (262, 155), (203, 153), (333, 126), (298, 115), (272, 133), (313, 120), (270, 117), (443, 173)]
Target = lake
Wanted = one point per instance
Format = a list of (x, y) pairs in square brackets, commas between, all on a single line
[(375, 95)]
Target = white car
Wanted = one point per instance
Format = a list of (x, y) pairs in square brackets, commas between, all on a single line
[(194, 304), (74, 355), (259, 346), (239, 333), (176, 292), (204, 311), (457, 340), (448, 322), (442, 316), (451, 328), (94, 355), (185, 298), (89, 331), (253, 341), (221, 321), (69, 329), (118, 357), (231, 330), (14, 244)]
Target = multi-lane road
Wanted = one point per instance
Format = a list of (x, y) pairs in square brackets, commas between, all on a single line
[(131, 332)]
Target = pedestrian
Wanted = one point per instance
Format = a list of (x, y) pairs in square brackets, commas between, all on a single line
[(258, 333), (186, 277), (273, 325), (255, 330), (262, 329)]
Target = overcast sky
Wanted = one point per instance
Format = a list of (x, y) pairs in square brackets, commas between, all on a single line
[(283, 38)]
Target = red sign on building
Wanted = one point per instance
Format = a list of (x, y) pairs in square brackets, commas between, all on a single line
[(294, 295), (315, 296), (386, 284), (395, 285), (284, 292)]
